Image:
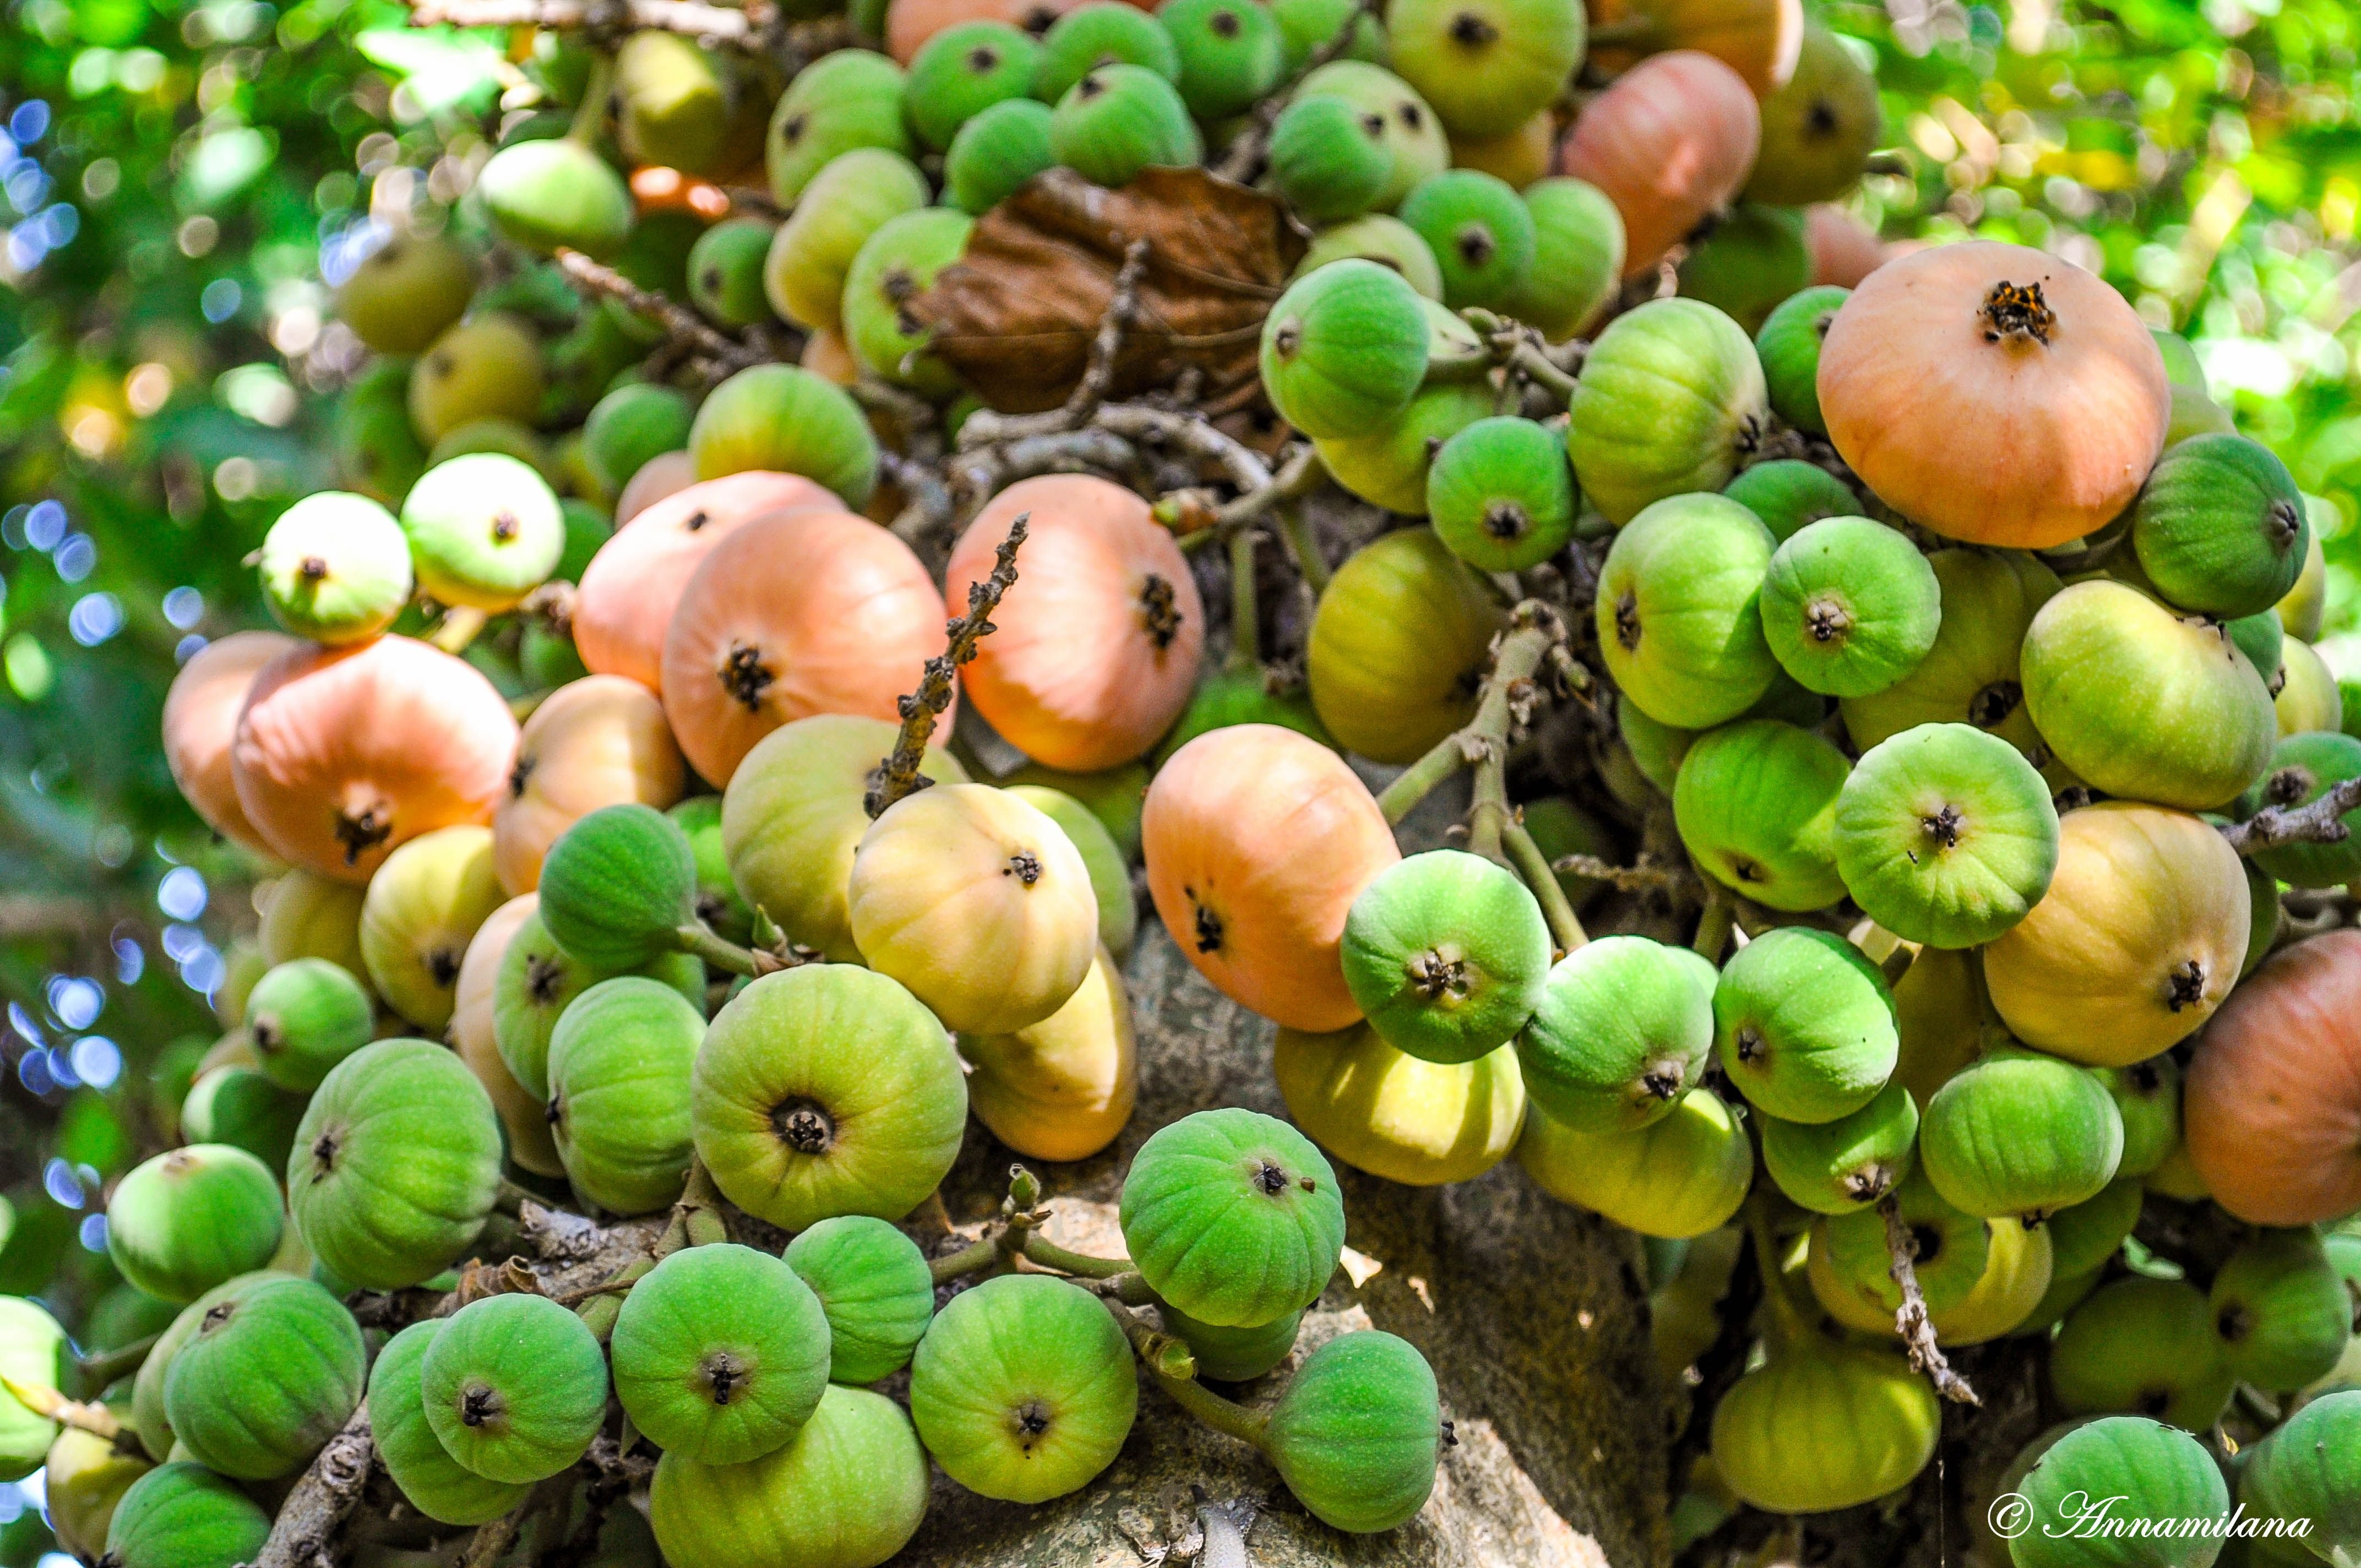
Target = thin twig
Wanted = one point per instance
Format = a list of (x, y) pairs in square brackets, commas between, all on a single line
[(1713, 924), (1123, 306), (1525, 855), (1246, 150), (1627, 878), (1910, 1319), (676, 319), (898, 774), (723, 23), (2321, 822), (1506, 706)]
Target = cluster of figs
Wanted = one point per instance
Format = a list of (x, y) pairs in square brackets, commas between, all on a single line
[(1916, 616)]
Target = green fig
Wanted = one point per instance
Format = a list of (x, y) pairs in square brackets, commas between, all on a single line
[(2281, 1310), (675, 102), (725, 278), (515, 1386), (2220, 527), (1002, 147), (962, 70), (432, 1481), (1234, 1356), (35, 1353), (1480, 231), (305, 1017), (1577, 258), (538, 982), (1850, 607), (1387, 466), (2302, 769), (1103, 33), (1945, 835), (1344, 349), (407, 293), (1329, 158), (873, 1287), (1788, 494), (827, 1090), (1804, 1025), (2262, 638), (1754, 259), (488, 366), (1620, 1033), (847, 1491), (2021, 1134), (2084, 1237), (1305, 24), (267, 1379), (1788, 343), (842, 101), (2147, 1096), (32, 1351), (619, 1063), (1486, 65), (1230, 53), (1120, 119), (1234, 1217), (1835, 1167), (1822, 1426), (1399, 643), (1384, 239), (1501, 495), (1819, 127), (2312, 1465), (1851, 1258), (188, 1220), (376, 451), (902, 258), (485, 530), (1755, 803), (1356, 1432), (2143, 1347), (720, 1352), (1413, 130), (1678, 610), (844, 204), (1446, 953), (1024, 1388), (1678, 1177), (335, 568), (619, 888), (784, 419), (184, 1516), (545, 195), (396, 1165), (2159, 1473), (1671, 399), (626, 429), (1101, 856)]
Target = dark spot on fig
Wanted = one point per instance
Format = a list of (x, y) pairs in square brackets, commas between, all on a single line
[(1928, 1240), (520, 775), (312, 568), (803, 1127), (1627, 622), (1664, 1083), (1827, 620), (1029, 1420), (1373, 125), (791, 129), (505, 526), (1091, 86), (2282, 525), (554, 1112), (1943, 826), (1434, 444), (267, 1037), (1869, 1183), (2185, 986), (712, 279), (984, 60), (1821, 118), (2145, 1078), (1025, 866), (1994, 703), (1208, 926), (478, 1406), (695, 520), (2277, 683), (1751, 1044), (1746, 870), (324, 1152), (1159, 611), (361, 834), (723, 1376), (2287, 785), (1474, 244), (2152, 1401), (1287, 339), (1307, 1184), (1506, 520), (542, 974), (1434, 976), (2234, 1323), (443, 967), (1271, 1178), (744, 675), (1471, 31), (2017, 311), (216, 1315), (1412, 115), (1223, 23)]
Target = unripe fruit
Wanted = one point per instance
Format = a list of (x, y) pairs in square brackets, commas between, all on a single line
[(1946, 835), (873, 1287), (1344, 349), (304, 1017), (184, 1516), (783, 419), (1754, 258), (1789, 494), (1678, 610), (1001, 148), (720, 1353), (1850, 607), (1577, 258), (1387, 466), (396, 1165), (1023, 1388), (422, 908), (432, 1481), (556, 192), (1100, 34), (1120, 119), (1486, 65), (2160, 1474), (1446, 953), (486, 368), (1232, 1356), (1788, 343), (1420, 1123), (2085, 1236), (536, 983), (1618, 1034), (842, 101), (846, 202), (847, 1491), (1818, 129), (335, 568), (1230, 51), (1804, 1025), (826, 1090), (84, 1481), (1108, 864), (2147, 1096), (1824, 1426), (1413, 130), (188, 1220), (1836, 1168), (405, 293), (2308, 1469), (1384, 239), (1355, 1433), (2144, 1346), (617, 887), (1755, 803), (1671, 398), (485, 530), (1398, 644), (634, 424), (1063, 1088), (1480, 231), (2304, 767), (896, 263), (265, 1380), (1676, 1178), (962, 70), (1329, 158), (2020, 1134), (619, 1069), (675, 102), (2220, 527), (2281, 1310), (1234, 1217), (725, 273), (515, 1386)]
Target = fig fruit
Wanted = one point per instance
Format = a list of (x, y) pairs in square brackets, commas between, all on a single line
[(1677, 1176), (1678, 611), (1413, 132), (1620, 1033), (422, 908), (846, 202), (618, 1067), (485, 530), (964, 71), (184, 1222), (1356, 1432), (406, 293), (1754, 259), (874, 1288), (2281, 1310), (2159, 1473), (1480, 231), (720, 1353), (1387, 466), (268, 1376), (1120, 119), (1805, 1027), (1486, 65), (2143, 1347), (1234, 1356), (2304, 767), (1230, 53), (1755, 803), (2220, 527), (2147, 1097), (432, 1481), (1409, 1120), (783, 419), (998, 150), (1671, 399), (1788, 343), (184, 1516), (1822, 1426), (1577, 258), (725, 283), (1329, 158), (847, 1491), (515, 1386), (1850, 607), (1063, 1088), (335, 568), (1835, 1167), (538, 981), (848, 99), (1501, 495), (1345, 349), (1384, 239), (1102, 33), (902, 258), (1446, 953), (1234, 1217), (2020, 1134)]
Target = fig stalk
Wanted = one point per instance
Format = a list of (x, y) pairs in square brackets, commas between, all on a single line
[(1506, 706), (898, 775), (1910, 1319), (1525, 858)]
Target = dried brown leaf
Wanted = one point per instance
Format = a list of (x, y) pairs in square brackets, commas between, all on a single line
[(1015, 315)]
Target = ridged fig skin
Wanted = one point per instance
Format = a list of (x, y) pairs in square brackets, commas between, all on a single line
[(1234, 1217), (2023, 1134), (435, 1483), (2160, 1472), (1820, 1427)]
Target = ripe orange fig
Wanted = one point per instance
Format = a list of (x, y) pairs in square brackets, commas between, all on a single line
[(596, 741), (1097, 645), (1672, 141), (812, 611), (343, 754), (521, 1113), (2271, 1105), (201, 721), (1844, 250), (1994, 393), (1258, 839), (666, 474), (910, 23), (630, 588), (1757, 38)]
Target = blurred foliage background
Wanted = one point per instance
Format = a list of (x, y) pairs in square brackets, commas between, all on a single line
[(177, 180)]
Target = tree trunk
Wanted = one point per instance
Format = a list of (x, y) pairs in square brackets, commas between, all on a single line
[(1532, 1314)]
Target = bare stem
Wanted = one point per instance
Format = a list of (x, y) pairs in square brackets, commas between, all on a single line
[(1910, 1319), (1510, 695), (723, 23), (1246, 612), (108, 1365), (322, 1498), (1295, 530), (682, 323), (1627, 878), (1713, 925), (981, 1253), (723, 954), (1526, 856), (1037, 1248), (898, 774), (2320, 822), (1123, 306)]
